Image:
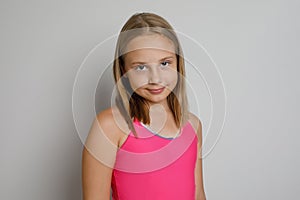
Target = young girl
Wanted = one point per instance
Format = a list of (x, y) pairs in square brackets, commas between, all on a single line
[(147, 146)]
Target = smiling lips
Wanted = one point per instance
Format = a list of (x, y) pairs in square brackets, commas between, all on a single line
[(156, 91)]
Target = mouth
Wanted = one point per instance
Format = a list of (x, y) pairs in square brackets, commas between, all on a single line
[(156, 91)]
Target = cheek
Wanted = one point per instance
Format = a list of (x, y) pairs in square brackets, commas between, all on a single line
[(171, 78), (137, 81)]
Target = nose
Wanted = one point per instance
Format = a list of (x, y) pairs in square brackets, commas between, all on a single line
[(154, 75)]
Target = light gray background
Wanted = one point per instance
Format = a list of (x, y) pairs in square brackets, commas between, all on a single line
[(254, 43)]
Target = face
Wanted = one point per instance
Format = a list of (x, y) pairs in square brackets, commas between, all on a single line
[(151, 67)]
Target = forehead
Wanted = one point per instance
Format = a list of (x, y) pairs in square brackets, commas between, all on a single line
[(149, 49), (150, 41), (148, 55)]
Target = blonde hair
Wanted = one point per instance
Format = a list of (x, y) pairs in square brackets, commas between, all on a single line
[(135, 106)]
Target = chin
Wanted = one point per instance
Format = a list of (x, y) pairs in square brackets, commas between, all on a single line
[(157, 99)]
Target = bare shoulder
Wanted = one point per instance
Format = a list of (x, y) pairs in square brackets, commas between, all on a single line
[(99, 156), (112, 123), (103, 139), (196, 124), (105, 118)]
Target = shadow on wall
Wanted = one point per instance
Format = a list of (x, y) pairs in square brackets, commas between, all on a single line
[(104, 90)]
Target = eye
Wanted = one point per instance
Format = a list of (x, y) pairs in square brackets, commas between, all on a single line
[(140, 67), (165, 63)]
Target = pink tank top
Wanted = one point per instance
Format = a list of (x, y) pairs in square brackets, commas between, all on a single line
[(153, 167)]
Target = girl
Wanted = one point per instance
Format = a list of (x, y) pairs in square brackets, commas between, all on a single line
[(147, 146)]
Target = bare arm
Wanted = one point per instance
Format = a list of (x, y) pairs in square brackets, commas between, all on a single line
[(98, 157), (95, 178), (200, 193)]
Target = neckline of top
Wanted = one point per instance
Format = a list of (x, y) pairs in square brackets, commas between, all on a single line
[(178, 134)]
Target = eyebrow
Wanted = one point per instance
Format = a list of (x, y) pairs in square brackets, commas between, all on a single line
[(139, 62)]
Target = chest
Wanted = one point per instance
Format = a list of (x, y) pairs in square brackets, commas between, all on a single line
[(151, 151)]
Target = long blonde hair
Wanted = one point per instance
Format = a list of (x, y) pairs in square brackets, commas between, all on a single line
[(135, 106)]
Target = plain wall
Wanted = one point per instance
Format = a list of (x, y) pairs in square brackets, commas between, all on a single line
[(255, 45)]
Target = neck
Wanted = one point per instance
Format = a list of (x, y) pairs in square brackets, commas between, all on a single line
[(160, 106), (159, 113)]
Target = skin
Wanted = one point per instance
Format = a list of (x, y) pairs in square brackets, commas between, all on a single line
[(150, 62)]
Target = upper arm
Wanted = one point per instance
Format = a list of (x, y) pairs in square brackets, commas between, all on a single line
[(200, 193), (98, 157), (95, 178)]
